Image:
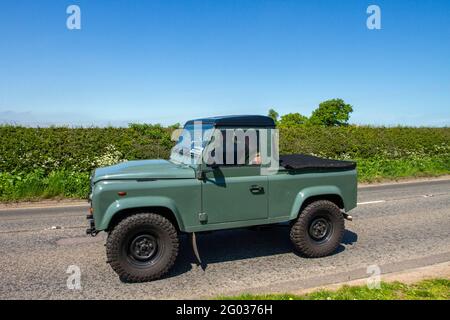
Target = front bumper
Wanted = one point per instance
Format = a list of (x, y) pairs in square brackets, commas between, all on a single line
[(91, 225), (90, 217)]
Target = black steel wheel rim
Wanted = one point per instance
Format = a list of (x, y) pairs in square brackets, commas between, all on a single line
[(320, 229), (144, 249)]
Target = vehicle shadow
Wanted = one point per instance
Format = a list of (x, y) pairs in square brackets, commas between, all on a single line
[(240, 244)]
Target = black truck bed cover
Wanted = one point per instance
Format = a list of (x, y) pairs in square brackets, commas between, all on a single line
[(303, 161)]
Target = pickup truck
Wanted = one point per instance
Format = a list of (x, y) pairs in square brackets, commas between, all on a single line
[(146, 205)]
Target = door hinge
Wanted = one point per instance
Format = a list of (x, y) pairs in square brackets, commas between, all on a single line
[(203, 217)]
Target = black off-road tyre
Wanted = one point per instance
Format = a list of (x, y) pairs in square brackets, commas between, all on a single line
[(142, 247), (318, 230)]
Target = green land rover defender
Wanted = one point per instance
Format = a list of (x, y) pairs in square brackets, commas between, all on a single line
[(146, 205)]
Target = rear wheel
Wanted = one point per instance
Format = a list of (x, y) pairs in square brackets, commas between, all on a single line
[(142, 247), (318, 230)]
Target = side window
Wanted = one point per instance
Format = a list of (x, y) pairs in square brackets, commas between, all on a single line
[(241, 147)]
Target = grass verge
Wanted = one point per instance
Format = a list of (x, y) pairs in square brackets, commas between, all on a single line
[(436, 289), (36, 186), (379, 168)]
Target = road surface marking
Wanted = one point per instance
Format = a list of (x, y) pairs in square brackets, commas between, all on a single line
[(370, 202)]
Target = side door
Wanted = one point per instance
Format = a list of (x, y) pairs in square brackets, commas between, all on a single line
[(233, 192)]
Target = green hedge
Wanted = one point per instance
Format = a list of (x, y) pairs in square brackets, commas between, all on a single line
[(25, 150), (40, 163), (365, 142), (78, 149)]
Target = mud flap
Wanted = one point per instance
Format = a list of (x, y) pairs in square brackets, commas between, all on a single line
[(195, 249)]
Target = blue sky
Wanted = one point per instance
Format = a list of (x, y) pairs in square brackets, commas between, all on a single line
[(168, 61)]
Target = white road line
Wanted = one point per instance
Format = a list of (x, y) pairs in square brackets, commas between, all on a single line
[(430, 195), (370, 202)]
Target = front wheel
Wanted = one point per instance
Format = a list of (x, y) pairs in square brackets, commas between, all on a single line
[(318, 230), (142, 247)]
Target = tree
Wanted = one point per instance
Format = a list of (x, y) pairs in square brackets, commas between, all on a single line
[(292, 120), (273, 114), (175, 126), (331, 113)]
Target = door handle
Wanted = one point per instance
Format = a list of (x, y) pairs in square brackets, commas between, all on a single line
[(256, 189)]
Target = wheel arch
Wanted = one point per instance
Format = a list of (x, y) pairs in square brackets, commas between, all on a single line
[(160, 210), (310, 195), (335, 198), (122, 209)]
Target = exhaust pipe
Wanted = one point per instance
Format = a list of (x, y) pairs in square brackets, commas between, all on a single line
[(347, 217)]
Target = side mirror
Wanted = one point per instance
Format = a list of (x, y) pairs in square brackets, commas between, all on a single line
[(200, 173)]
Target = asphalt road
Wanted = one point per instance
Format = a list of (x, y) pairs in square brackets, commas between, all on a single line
[(395, 227)]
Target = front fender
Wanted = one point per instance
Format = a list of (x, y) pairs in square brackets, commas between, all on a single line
[(139, 202), (312, 192)]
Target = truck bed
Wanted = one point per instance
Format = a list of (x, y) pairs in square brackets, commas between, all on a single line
[(303, 161)]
